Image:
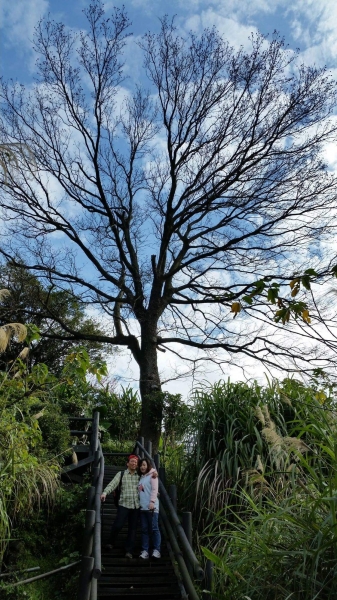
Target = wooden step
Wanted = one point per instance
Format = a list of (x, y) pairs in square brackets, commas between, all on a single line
[(148, 569), (121, 561), (140, 580), (145, 592)]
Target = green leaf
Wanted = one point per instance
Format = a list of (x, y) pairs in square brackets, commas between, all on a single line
[(218, 561), (273, 294), (259, 287), (33, 333), (306, 282)]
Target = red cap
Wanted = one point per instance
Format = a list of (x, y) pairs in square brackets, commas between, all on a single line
[(133, 456)]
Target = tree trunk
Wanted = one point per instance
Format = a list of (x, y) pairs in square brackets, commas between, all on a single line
[(149, 385)]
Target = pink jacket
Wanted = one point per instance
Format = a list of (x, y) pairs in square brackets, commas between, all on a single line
[(148, 491)]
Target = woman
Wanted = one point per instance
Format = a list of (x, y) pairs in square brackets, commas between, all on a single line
[(149, 509)]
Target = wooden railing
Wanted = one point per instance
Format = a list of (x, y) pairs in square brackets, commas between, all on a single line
[(178, 534), (91, 564)]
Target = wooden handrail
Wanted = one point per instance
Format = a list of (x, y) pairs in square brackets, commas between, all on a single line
[(172, 524), (43, 575), (91, 567), (9, 573), (80, 463), (80, 418)]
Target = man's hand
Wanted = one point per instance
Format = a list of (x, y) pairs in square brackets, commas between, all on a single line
[(103, 496), (155, 475), (151, 506)]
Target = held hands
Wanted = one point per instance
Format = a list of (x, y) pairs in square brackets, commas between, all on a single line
[(103, 496)]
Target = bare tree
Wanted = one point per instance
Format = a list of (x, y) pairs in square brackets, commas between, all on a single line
[(196, 199)]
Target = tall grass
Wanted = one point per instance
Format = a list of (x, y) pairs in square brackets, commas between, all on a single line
[(283, 547), (263, 469), (226, 443), (240, 432)]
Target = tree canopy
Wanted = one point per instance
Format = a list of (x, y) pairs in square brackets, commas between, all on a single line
[(48, 311), (198, 197)]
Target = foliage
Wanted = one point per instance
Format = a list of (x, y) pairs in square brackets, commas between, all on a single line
[(279, 540), (54, 427), (49, 539), (120, 414), (34, 427), (34, 431), (281, 548), (176, 418), (24, 480), (49, 310), (239, 430)]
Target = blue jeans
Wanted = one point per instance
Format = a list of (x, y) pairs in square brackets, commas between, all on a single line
[(150, 528), (123, 514)]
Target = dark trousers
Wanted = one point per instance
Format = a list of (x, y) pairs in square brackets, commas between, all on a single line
[(123, 514)]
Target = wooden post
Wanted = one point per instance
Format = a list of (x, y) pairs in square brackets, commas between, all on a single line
[(88, 532), (87, 566), (173, 495), (208, 579), (94, 434), (96, 469), (93, 591), (187, 581), (97, 571), (156, 459), (187, 526), (148, 447), (166, 502), (90, 497), (141, 441), (162, 475)]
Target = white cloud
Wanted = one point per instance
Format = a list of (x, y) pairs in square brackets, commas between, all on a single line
[(311, 23), (242, 8), (235, 32), (18, 20), (314, 24)]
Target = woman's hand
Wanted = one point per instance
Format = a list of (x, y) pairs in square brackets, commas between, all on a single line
[(151, 506), (103, 496)]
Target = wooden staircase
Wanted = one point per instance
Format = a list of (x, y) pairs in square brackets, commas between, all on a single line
[(124, 578)]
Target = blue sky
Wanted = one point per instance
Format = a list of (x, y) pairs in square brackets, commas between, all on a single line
[(308, 25)]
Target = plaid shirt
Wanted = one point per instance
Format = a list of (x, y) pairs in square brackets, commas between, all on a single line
[(129, 497)]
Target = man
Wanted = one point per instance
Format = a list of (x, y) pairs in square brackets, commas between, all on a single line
[(128, 507)]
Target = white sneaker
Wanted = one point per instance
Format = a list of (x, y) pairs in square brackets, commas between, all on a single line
[(144, 554), (156, 554)]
